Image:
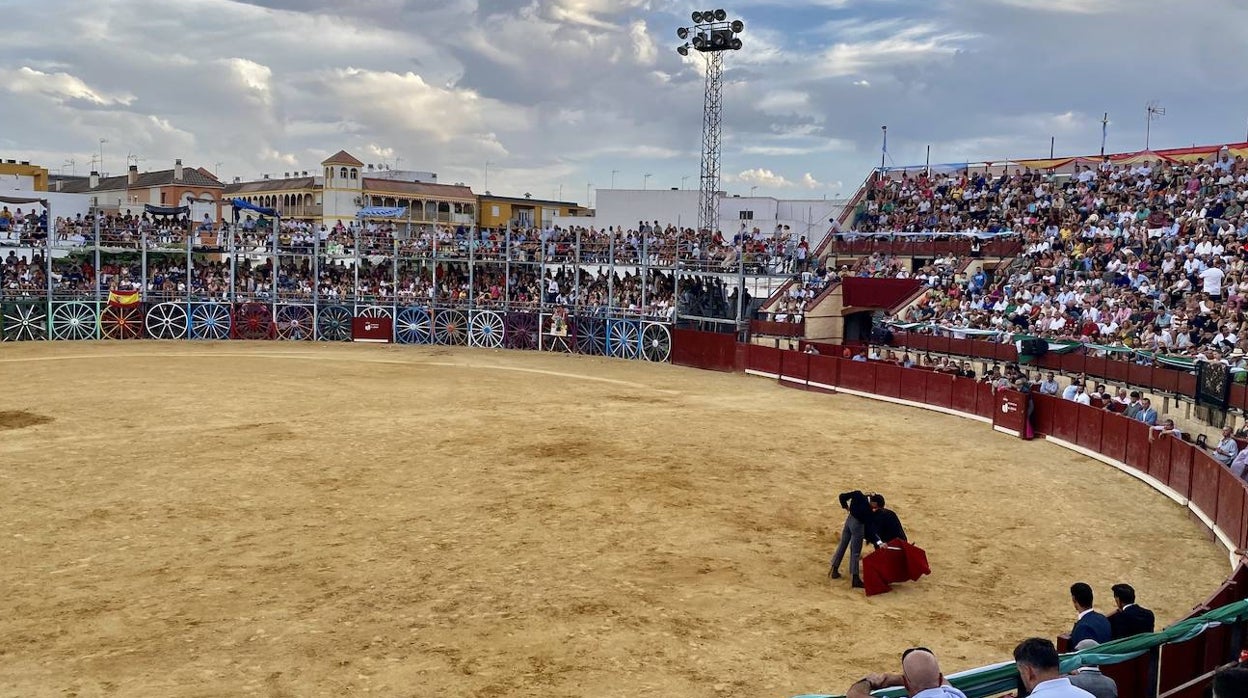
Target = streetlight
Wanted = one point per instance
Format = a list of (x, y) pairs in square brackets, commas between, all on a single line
[(683, 180), (486, 185), (645, 180), (613, 174), (752, 190)]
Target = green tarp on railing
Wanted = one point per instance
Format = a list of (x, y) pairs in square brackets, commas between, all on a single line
[(999, 678)]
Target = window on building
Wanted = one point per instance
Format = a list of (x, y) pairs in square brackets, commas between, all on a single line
[(355, 174), (746, 215), (494, 211), (342, 173)]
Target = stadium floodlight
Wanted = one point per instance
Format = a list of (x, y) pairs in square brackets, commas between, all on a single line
[(711, 34)]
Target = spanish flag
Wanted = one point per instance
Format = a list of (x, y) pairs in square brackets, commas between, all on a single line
[(123, 298)]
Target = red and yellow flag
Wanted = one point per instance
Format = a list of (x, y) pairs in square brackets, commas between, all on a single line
[(123, 298)]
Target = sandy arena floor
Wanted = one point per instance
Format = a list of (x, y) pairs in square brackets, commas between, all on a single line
[(195, 519)]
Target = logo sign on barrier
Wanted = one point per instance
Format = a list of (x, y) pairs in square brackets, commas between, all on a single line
[(372, 329), (1011, 413)]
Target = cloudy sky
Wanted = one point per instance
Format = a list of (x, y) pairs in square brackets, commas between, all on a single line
[(565, 95)]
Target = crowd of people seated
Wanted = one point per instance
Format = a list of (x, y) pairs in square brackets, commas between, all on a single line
[(1147, 256), (649, 243)]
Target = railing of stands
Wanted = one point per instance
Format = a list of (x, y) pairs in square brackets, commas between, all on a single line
[(1160, 379)]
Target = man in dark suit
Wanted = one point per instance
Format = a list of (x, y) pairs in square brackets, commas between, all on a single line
[(1130, 619), (853, 533), (1090, 624), (884, 522)]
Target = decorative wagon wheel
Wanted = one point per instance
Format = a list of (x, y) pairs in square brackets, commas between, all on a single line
[(374, 311), (450, 327), (167, 321), (122, 321), (24, 322), (521, 331), (656, 342), (413, 326), (553, 342), (253, 321), (624, 338), (73, 321), (333, 324), (486, 329), (211, 321), (295, 322), (591, 336)]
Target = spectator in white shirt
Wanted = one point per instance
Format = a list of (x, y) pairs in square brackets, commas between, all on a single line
[(1227, 448), (1039, 669)]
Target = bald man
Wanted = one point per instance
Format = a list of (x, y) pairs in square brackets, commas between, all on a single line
[(920, 675)]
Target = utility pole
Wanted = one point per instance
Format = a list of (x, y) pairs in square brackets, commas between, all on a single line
[(1105, 132)]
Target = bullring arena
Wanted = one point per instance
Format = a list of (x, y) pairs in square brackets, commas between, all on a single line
[(239, 518)]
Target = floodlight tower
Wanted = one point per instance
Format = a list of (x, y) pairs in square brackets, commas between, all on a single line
[(712, 34)]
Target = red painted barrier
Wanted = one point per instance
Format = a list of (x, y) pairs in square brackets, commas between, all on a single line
[(709, 350), (1046, 407), (1066, 422), (824, 373), (1205, 484), (1139, 448), (763, 360), (1116, 370), (986, 401), (1140, 375), (858, 375), (888, 379), (940, 389), (794, 368), (1165, 380), (1230, 504), (1088, 432), (1159, 458), (1181, 454), (777, 329), (964, 395), (914, 385), (1114, 439)]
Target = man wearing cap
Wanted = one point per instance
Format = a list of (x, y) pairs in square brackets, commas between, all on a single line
[(1090, 678), (920, 676)]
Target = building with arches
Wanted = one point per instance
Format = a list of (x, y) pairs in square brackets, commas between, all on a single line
[(345, 185)]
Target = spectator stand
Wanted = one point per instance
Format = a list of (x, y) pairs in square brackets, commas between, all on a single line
[(26, 285)]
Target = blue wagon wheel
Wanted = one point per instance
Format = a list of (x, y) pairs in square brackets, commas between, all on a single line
[(486, 329), (413, 326), (624, 338), (295, 322), (24, 322), (591, 335), (75, 320), (211, 321), (656, 342), (333, 324), (521, 331), (450, 327), (167, 321)]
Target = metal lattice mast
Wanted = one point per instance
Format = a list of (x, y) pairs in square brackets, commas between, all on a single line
[(712, 122)]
